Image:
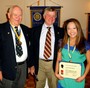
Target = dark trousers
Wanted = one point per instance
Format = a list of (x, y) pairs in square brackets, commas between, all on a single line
[(19, 81)]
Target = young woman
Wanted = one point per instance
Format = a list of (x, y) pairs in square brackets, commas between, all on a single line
[(74, 49)]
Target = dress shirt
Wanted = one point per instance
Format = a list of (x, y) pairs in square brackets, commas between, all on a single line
[(42, 41), (24, 46)]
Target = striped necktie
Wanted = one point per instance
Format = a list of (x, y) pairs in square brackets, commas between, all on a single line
[(18, 43), (47, 48)]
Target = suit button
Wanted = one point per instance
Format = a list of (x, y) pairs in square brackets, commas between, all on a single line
[(15, 67)]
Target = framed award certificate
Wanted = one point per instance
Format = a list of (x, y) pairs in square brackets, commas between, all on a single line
[(70, 70)]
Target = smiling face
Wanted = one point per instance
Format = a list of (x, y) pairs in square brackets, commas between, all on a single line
[(72, 30), (15, 16), (49, 17)]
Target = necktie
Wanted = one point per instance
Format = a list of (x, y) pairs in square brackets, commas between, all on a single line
[(47, 48), (18, 43)]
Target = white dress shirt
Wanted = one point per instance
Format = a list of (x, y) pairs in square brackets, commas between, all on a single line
[(24, 46), (42, 41)]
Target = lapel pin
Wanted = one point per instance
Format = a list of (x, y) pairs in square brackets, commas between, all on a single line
[(8, 32), (27, 34), (57, 32)]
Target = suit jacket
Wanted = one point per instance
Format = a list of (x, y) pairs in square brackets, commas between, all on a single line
[(8, 64), (34, 54)]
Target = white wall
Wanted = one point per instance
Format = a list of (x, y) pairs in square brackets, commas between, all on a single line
[(71, 8)]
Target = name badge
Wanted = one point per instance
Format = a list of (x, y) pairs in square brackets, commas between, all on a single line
[(70, 70)]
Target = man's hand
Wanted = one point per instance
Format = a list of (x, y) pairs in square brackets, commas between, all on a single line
[(31, 70), (1, 76)]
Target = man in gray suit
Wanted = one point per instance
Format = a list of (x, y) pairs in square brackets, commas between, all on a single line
[(13, 50)]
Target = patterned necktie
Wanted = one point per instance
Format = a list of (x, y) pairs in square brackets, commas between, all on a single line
[(47, 48), (18, 43)]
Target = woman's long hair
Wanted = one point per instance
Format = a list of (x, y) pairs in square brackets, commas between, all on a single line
[(80, 39)]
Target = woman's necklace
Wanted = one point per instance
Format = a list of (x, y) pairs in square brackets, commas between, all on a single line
[(69, 54)]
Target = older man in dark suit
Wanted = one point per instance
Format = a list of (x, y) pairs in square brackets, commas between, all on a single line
[(44, 49), (14, 43)]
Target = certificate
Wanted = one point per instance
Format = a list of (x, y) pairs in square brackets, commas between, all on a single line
[(70, 70)]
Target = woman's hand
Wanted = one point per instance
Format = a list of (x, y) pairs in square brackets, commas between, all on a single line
[(79, 79), (58, 76)]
